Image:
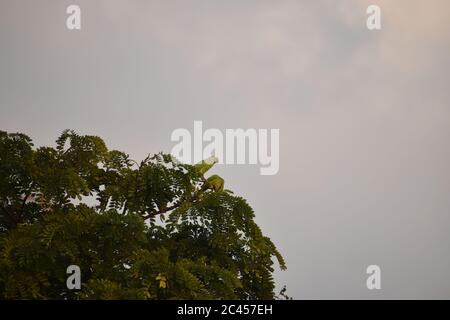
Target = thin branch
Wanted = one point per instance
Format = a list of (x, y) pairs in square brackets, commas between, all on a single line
[(194, 199), (167, 209), (24, 202)]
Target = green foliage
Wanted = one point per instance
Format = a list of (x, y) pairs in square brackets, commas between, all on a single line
[(147, 230)]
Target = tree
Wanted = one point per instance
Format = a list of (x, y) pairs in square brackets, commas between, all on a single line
[(143, 230)]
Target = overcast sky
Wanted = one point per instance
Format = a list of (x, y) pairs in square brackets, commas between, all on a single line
[(364, 116)]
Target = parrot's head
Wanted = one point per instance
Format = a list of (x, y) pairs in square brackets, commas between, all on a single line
[(212, 160)]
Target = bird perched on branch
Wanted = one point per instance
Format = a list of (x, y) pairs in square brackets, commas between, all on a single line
[(215, 182), (205, 165)]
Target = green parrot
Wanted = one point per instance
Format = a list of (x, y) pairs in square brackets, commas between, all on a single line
[(205, 165), (215, 182)]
